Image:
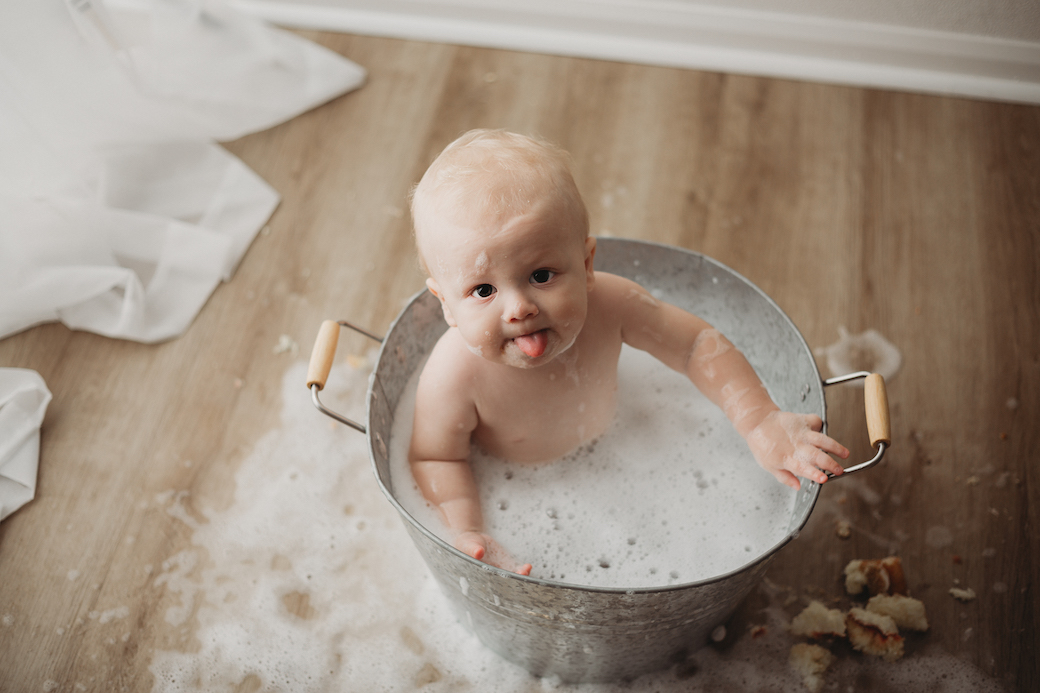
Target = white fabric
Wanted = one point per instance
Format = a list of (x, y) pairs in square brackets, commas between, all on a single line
[(118, 212), (23, 402)]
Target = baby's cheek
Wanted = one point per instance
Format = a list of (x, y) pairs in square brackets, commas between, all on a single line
[(571, 305), (566, 317), (475, 329)]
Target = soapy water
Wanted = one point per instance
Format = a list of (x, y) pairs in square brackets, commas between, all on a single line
[(308, 582), (670, 494)]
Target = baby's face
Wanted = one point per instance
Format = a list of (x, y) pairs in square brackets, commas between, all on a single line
[(516, 287)]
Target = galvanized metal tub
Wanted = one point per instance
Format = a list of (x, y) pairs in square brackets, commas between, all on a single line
[(580, 633)]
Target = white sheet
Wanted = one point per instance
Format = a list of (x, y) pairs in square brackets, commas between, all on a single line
[(119, 214), (23, 402)]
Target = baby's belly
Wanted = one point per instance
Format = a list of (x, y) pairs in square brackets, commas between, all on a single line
[(539, 430)]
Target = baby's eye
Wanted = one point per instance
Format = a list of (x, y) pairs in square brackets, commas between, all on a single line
[(541, 276), (483, 291)]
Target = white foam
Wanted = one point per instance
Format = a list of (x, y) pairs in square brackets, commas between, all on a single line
[(866, 351), (669, 495)]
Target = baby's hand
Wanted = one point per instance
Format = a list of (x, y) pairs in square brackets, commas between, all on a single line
[(483, 548), (787, 445)]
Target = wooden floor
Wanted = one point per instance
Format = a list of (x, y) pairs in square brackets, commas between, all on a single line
[(915, 215)]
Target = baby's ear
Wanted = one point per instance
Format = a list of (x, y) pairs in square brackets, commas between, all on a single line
[(436, 291), (590, 254)]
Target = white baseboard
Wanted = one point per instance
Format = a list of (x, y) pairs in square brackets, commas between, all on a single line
[(682, 34)]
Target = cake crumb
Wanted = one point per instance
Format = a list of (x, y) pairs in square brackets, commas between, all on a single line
[(908, 613), (810, 662), (878, 576), (817, 621), (962, 595), (874, 634)]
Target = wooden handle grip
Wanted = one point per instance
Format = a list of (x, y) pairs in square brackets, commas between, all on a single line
[(323, 354), (875, 398)]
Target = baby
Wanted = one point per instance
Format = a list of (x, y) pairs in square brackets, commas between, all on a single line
[(528, 366)]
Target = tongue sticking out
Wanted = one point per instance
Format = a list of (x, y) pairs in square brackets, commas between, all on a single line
[(533, 344)]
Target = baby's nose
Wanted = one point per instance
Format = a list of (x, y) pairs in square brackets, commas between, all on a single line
[(520, 308)]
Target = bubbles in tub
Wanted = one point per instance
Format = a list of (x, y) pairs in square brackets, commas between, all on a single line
[(700, 505)]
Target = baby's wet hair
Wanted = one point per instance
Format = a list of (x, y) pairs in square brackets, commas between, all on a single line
[(501, 173)]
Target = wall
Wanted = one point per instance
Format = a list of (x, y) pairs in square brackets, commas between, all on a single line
[(1008, 19), (968, 48)]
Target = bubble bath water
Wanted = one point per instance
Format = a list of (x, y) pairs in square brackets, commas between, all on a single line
[(670, 494)]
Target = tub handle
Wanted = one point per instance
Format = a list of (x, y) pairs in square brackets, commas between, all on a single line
[(879, 425), (321, 363)]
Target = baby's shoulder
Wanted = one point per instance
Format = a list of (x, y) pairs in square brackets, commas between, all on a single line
[(604, 317), (611, 292), (613, 284), (450, 362), (444, 392)]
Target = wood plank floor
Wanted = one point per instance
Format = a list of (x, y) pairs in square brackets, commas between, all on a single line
[(915, 215)]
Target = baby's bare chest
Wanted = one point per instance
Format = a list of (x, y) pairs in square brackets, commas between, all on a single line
[(544, 413)]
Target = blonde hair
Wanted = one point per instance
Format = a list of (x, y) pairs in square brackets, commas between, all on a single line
[(500, 173)]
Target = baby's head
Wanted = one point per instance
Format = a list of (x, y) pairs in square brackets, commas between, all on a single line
[(503, 233), (496, 174)]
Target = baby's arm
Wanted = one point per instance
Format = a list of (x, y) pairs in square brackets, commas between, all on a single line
[(785, 444), (439, 457)]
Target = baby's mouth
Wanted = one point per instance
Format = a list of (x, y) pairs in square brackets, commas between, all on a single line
[(533, 344)]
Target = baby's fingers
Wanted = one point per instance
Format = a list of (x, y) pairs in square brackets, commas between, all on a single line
[(811, 463), (500, 558), (828, 444), (787, 479), (512, 566), (472, 544), (814, 421), (827, 464)]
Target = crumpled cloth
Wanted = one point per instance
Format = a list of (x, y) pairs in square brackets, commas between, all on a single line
[(119, 214), (23, 402)]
